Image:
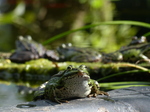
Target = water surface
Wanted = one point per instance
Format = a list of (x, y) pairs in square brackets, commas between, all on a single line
[(9, 95)]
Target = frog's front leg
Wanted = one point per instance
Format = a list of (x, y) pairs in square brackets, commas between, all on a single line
[(50, 94), (145, 58), (145, 55), (95, 89)]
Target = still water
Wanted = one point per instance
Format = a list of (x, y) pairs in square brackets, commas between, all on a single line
[(9, 95)]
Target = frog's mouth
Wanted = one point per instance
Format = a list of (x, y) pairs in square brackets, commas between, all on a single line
[(82, 75), (78, 75), (86, 77)]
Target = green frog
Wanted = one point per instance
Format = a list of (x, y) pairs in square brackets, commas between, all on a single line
[(135, 53), (138, 50), (70, 83), (68, 52)]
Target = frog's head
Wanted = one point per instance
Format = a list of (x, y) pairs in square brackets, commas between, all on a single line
[(71, 72), (136, 40), (63, 48), (22, 43), (66, 51)]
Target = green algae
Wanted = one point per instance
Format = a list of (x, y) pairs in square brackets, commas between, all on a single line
[(40, 70)]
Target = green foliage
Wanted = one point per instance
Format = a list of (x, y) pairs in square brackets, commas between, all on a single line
[(101, 31), (62, 35), (96, 3), (137, 23), (14, 15), (147, 34), (100, 37)]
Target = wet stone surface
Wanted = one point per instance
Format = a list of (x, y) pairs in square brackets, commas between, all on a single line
[(132, 99)]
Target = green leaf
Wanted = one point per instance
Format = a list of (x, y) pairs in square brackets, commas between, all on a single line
[(119, 85), (122, 73)]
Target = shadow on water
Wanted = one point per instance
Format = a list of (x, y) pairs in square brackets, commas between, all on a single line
[(9, 95), (25, 106)]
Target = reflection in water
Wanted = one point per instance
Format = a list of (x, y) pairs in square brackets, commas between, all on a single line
[(9, 95)]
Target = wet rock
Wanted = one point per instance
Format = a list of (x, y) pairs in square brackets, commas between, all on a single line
[(132, 99)]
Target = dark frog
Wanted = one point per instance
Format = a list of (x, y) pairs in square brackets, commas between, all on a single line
[(70, 83), (138, 40), (68, 52), (27, 49)]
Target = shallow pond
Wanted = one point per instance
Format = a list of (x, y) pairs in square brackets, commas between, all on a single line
[(9, 95)]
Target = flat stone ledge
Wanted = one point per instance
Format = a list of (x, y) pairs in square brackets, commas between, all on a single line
[(132, 99)]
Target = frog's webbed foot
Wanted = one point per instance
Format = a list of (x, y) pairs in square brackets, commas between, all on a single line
[(60, 101), (102, 93), (92, 95), (98, 93)]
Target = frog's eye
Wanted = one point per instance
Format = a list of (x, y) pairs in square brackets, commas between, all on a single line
[(69, 67), (69, 44), (29, 37), (21, 37), (143, 39), (63, 46), (134, 38), (82, 67)]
